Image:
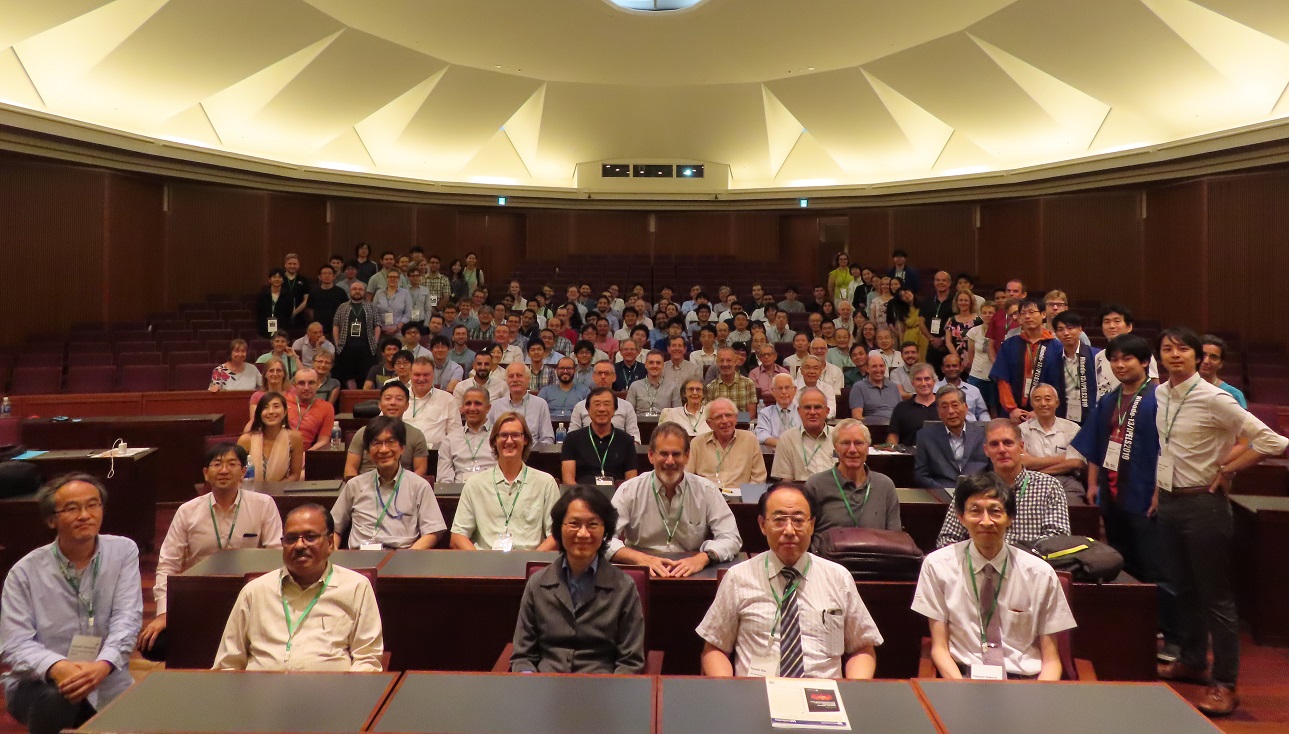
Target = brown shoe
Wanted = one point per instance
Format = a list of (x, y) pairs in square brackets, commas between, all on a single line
[(1218, 701), (1182, 673)]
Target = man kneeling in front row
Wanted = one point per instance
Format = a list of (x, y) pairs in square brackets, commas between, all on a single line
[(310, 614), (993, 609)]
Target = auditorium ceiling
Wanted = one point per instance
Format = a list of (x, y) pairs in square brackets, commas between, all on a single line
[(784, 93)]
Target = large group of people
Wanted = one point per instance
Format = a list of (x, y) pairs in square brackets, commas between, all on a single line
[(1003, 402)]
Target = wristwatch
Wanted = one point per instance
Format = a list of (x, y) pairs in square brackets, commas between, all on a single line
[(711, 557)]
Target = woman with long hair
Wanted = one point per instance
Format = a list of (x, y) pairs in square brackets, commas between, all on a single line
[(274, 452), (956, 328), (905, 317), (868, 336), (456, 281), (275, 380)]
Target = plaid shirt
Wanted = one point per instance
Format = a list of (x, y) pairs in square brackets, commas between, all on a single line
[(742, 391), (1041, 512), (481, 334), (538, 380), (438, 285)]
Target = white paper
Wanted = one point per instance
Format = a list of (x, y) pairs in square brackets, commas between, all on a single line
[(806, 703), (1164, 472), (371, 546), (84, 648), (1112, 451), (980, 671)]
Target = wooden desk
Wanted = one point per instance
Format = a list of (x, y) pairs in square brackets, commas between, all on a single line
[(1261, 579), (488, 703), (330, 463), (200, 599), (1270, 477), (180, 439), (290, 495), (982, 707), (208, 701), (739, 706), (131, 503)]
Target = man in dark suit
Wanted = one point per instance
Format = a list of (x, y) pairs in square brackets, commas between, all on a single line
[(950, 448)]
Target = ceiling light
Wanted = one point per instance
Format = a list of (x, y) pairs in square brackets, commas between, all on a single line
[(336, 165), (501, 201), (803, 203)]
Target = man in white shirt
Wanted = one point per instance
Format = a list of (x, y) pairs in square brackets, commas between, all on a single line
[(668, 510), (1116, 320), (197, 532), (1049, 444), (809, 623), (809, 376), (801, 343), (993, 609), (317, 593), (830, 374), (771, 422), (430, 409), (412, 333), (805, 450), (313, 341), (388, 507), (447, 374), (624, 415), (465, 452), (484, 376), (510, 353), (535, 412), (1199, 425)]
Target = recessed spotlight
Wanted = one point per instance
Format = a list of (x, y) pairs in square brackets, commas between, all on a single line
[(810, 68)]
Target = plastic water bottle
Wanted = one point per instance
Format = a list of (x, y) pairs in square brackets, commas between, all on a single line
[(6, 408), (336, 437), (560, 433), (249, 478)]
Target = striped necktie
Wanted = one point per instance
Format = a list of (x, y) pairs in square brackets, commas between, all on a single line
[(791, 664)]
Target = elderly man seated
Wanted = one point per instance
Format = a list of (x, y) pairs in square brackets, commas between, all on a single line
[(727, 456), (805, 450), (771, 422), (1048, 444)]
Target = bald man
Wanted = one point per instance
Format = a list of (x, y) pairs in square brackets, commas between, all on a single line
[(728, 456), (535, 411)]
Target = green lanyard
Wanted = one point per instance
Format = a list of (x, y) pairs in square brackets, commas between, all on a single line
[(868, 486), (1121, 415), (215, 523), (605, 458), (299, 413), (293, 627), (671, 528), (778, 600), (520, 482), (1024, 485), (1169, 432), (986, 619), (474, 449), (805, 462), (693, 425), (385, 506), (86, 603)]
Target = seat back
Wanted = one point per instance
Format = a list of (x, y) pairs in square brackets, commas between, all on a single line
[(143, 378), (190, 376), (1069, 671), (91, 378), (36, 380)]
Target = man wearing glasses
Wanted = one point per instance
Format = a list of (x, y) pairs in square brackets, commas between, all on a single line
[(805, 449), (788, 612), (389, 506), (394, 399), (70, 614), (849, 495), (225, 517), (310, 615)]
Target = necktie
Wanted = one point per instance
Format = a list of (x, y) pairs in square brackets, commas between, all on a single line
[(992, 650), (791, 664)]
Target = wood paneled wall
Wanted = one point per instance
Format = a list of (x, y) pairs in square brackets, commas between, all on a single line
[(1210, 252)]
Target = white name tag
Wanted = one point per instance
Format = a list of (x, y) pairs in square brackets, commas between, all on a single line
[(604, 481), (1112, 452), (416, 314), (935, 326), (272, 325), (84, 648), (505, 543), (389, 318), (355, 329), (371, 546), (980, 671), (765, 666), (1164, 472), (434, 299)]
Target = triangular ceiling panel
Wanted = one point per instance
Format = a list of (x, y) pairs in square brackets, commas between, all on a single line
[(15, 86), (782, 128), (1124, 130), (26, 18), (191, 49), (380, 129), (1267, 17), (456, 120), (927, 134), (809, 165), (524, 128), (346, 152), (496, 162), (192, 126), (961, 156), (1255, 63)]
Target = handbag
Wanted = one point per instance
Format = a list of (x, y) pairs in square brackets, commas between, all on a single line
[(1085, 559), (871, 554)]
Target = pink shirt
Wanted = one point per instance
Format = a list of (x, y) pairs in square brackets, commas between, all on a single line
[(317, 418), (764, 379)]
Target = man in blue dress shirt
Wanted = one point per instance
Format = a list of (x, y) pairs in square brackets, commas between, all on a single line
[(70, 613)]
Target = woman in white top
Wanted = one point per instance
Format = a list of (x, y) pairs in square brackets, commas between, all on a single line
[(235, 374), (978, 357), (692, 414), (881, 297), (275, 452)]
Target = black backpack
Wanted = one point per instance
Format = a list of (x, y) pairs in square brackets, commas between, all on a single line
[(18, 479), (1085, 559)]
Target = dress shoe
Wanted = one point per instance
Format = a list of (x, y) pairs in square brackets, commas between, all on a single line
[(1218, 701), (1183, 673)]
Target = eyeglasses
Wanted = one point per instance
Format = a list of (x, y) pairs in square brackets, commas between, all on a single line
[(230, 464), (74, 509), (779, 522), (592, 527), (388, 443), (510, 437), (289, 539), (852, 444)]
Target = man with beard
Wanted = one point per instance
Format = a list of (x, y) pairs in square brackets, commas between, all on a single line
[(354, 331)]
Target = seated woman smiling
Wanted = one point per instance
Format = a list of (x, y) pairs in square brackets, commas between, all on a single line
[(581, 614)]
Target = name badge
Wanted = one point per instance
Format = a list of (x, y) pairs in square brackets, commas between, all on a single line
[(389, 318), (765, 666), (505, 543), (603, 481), (416, 314), (980, 671), (1113, 451), (434, 299), (84, 648), (1164, 472), (272, 325), (371, 546), (935, 326), (474, 468), (356, 329)]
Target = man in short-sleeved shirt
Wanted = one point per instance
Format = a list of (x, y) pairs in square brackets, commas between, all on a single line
[(509, 506), (388, 507), (837, 635), (848, 494), (416, 453), (873, 399), (907, 417), (307, 413), (565, 395)]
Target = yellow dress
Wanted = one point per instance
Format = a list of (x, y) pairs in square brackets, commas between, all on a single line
[(841, 279), (913, 332)]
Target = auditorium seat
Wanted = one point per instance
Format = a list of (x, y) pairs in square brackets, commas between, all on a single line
[(131, 335), (1268, 369), (1268, 414), (90, 378), (843, 404), (36, 380), (259, 346), (199, 356), (125, 359), (186, 345), (785, 350), (221, 335), (190, 376), (206, 325), (475, 345), (205, 314), (135, 347), (173, 335), (53, 345), (1270, 390), (143, 377), (90, 359), (40, 359)]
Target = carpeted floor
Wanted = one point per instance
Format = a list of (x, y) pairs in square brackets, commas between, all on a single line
[(1264, 672)]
